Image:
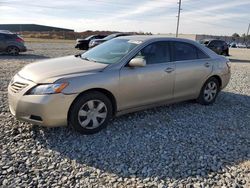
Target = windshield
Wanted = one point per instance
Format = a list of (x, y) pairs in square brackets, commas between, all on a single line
[(109, 37), (89, 37), (111, 51)]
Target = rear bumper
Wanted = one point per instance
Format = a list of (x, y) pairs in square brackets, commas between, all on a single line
[(45, 110), (225, 78), (23, 49)]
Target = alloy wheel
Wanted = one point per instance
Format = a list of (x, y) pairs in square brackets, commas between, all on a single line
[(92, 114), (210, 91), (13, 50)]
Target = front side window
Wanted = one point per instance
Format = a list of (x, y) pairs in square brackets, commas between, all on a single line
[(111, 51), (157, 52), (109, 37)]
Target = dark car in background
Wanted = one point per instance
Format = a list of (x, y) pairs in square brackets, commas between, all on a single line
[(83, 44), (96, 42), (218, 46), (11, 43)]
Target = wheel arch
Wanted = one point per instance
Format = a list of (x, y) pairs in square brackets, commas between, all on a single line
[(218, 78), (213, 76), (107, 93), (12, 45)]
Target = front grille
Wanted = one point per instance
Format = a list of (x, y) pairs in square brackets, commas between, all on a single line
[(17, 86)]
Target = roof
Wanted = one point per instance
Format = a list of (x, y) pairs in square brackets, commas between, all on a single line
[(154, 38), (145, 38), (5, 32)]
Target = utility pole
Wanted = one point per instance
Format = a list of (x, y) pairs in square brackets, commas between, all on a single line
[(178, 19), (248, 29)]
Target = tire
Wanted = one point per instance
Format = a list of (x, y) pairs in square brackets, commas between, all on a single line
[(90, 112), (13, 50), (209, 91), (225, 53)]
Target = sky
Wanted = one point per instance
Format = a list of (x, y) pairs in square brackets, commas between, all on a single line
[(217, 17)]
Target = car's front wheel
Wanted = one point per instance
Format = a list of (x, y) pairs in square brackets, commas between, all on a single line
[(209, 91), (90, 112)]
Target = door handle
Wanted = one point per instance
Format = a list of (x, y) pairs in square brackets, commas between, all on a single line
[(207, 64), (169, 70)]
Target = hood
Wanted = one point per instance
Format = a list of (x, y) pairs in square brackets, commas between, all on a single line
[(45, 70)]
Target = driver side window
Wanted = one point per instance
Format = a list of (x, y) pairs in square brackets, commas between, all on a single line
[(157, 52)]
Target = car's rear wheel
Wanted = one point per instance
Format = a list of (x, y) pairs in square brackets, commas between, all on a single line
[(225, 53), (13, 50), (90, 112), (209, 91)]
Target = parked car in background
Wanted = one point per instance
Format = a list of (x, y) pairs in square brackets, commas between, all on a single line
[(122, 75), (233, 45), (96, 42), (241, 45), (11, 43), (218, 46), (248, 44), (83, 44)]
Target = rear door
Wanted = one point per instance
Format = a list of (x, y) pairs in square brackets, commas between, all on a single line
[(193, 67), (152, 83)]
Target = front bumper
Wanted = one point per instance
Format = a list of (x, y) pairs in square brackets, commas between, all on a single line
[(45, 110)]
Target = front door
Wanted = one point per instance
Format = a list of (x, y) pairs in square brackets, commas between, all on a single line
[(152, 83)]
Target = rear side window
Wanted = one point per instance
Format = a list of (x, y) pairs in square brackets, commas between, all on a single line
[(157, 52), (184, 51), (201, 55)]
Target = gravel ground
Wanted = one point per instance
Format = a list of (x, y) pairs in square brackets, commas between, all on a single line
[(180, 145)]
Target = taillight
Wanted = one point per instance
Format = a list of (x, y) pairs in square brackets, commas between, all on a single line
[(19, 40)]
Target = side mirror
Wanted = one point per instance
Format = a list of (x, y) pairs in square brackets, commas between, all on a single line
[(137, 62)]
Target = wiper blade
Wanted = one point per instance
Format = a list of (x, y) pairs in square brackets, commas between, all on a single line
[(85, 58), (88, 59)]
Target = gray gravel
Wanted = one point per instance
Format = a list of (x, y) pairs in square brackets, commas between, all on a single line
[(181, 145)]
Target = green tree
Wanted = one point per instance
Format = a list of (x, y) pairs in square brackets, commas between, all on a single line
[(235, 35)]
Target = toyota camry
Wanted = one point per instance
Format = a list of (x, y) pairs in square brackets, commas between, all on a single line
[(122, 75)]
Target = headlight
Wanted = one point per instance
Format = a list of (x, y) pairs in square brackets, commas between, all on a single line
[(47, 89)]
